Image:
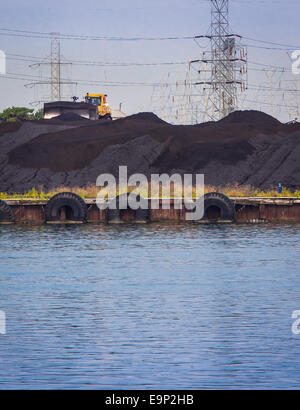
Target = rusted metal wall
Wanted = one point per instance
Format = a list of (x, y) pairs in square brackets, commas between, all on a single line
[(270, 212), (29, 213), (95, 214), (167, 214), (246, 211)]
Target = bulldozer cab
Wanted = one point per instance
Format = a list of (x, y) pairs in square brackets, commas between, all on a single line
[(94, 99), (99, 100)]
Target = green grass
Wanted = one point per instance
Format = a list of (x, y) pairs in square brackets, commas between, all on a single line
[(92, 192), (248, 191)]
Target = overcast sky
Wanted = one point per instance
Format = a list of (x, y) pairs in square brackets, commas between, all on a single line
[(276, 21)]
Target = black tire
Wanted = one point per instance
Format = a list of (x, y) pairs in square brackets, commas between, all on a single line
[(6, 213), (69, 200), (218, 208), (115, 215)]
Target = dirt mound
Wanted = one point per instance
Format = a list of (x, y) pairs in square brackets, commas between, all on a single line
[(146, 116), (187, 146), (246, 148), (76, 148), (255, 118)]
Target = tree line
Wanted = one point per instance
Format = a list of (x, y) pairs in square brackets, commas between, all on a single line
[(13, 114)]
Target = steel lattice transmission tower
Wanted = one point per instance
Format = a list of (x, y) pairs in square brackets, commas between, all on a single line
[(222, 78), (228, 60), (55, 81), (226, 64), (55, 64)]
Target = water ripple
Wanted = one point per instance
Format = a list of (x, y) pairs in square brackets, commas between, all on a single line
[(159, 306)]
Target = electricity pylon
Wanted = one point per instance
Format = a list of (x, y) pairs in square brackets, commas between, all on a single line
[(55, 63), (227, 61), (55, 81)]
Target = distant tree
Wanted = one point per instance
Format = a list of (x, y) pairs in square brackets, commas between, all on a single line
[(13, 114)]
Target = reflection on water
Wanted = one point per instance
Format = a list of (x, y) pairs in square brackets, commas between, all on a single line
[(157, 306)]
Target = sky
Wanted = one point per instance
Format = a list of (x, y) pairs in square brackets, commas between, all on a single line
[(265, 20)]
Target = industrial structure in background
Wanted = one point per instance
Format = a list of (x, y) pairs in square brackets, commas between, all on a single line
[(206, 89), (227, 65), (210, 88), (56, 82), (55, 64), (93, 107)]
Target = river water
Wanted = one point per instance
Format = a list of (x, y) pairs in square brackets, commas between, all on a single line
[(160, 306)]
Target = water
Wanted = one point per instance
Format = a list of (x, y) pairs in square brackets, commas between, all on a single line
[(149, 307)]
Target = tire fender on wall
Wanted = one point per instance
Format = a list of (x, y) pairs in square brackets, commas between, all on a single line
[(6, 213), (224, 207), (66, 200)]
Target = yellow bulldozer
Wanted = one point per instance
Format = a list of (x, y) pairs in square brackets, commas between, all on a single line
[(104, 110), (94, 107)]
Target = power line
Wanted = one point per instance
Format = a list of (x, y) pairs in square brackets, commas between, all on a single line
[(45, 80), (45, 35), (271, 42), (38, 34), (44, 60), (40, 60)]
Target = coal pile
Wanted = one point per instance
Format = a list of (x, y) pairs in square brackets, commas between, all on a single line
[(247, 147), (257, 118)]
